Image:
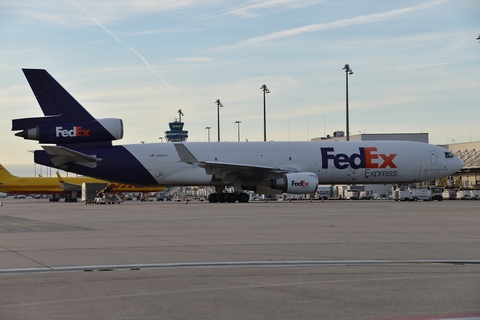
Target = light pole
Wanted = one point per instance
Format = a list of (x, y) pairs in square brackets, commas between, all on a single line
[(208, 128), (219, 105), (180, 114), (238, 129), (347, 72), (265, 91)]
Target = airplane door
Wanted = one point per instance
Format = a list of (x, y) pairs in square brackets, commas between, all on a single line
[(433, 157), (262, 159)]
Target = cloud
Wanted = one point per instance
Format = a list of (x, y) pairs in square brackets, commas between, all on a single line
[(195, 59), (370, 18), (63, 13), (247, 10)]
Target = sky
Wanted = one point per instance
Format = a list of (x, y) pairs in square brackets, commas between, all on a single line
[(416, 67)]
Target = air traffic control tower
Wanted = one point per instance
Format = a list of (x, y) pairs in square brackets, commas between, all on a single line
[(176, 132)]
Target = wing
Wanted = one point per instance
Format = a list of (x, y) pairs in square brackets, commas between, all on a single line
[(227, 172)]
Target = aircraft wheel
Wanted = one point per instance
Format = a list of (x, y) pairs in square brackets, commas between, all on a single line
[(222, 197), (242, 197), (213, 197), (231, 197)]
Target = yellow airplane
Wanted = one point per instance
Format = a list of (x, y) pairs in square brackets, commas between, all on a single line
[(60, 185)]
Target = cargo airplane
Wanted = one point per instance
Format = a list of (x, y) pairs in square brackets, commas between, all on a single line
[(73, 140), (71, 186)]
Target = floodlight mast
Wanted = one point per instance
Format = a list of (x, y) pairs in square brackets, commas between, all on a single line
[(265, 91), (219, 105), (208, 128), (180, 114), (347, 72), (238, 133)]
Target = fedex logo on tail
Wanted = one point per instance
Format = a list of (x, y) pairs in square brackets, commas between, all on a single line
[(75, 132), (366, 158)]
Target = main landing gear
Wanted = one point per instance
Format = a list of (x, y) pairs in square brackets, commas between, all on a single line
[(228, 197)]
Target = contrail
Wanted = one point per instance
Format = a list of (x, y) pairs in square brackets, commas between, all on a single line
[(331, 25), (97, 22)]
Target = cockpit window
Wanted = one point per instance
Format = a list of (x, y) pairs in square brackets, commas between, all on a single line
[(449, 155)]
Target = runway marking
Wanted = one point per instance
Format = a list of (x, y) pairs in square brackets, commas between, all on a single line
[(240, 287), (234, 264), (46, 268), (470, 316)]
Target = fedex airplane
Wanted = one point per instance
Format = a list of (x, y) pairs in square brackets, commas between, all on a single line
[(75, 141)]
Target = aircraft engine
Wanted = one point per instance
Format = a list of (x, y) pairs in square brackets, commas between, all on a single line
[(299, 183), (98, 130)]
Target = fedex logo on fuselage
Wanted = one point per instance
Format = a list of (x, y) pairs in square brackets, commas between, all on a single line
[(366, 158), (75, 132)]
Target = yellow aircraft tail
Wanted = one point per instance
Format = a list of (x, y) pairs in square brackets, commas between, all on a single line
[(4, 173)]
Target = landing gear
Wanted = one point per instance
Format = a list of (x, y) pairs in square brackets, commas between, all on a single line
[(231, 197), (213, 197), (228, 197), (243, 197)]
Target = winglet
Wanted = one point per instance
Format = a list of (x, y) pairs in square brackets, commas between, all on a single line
[(60, 179), (185, 154)]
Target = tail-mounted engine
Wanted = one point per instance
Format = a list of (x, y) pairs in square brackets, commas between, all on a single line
[(97, 130), (299, 183)]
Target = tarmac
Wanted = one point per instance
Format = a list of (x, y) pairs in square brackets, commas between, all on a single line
[(257, 260)]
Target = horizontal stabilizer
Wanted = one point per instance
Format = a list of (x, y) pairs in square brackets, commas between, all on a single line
[(65, 155), (27, 123)]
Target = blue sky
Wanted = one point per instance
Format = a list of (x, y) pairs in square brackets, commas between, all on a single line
[(416, 66)]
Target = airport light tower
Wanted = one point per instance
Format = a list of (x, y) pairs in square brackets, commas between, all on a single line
[(238, 129), (219, 105), (208, 128), (265, 91), (347, 72), (180, 114)]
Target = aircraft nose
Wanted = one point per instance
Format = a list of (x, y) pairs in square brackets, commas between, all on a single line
[(458, 165)]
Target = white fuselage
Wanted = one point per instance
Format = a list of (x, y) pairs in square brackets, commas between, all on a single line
[(333, 161)]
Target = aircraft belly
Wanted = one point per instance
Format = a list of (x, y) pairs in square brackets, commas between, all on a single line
[(193, 176)]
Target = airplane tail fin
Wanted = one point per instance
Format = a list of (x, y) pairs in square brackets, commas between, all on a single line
[(4, 173), (59, 177), (66, 121), (53, 98)]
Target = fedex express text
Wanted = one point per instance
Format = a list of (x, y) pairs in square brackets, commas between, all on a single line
[(367, 158)]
